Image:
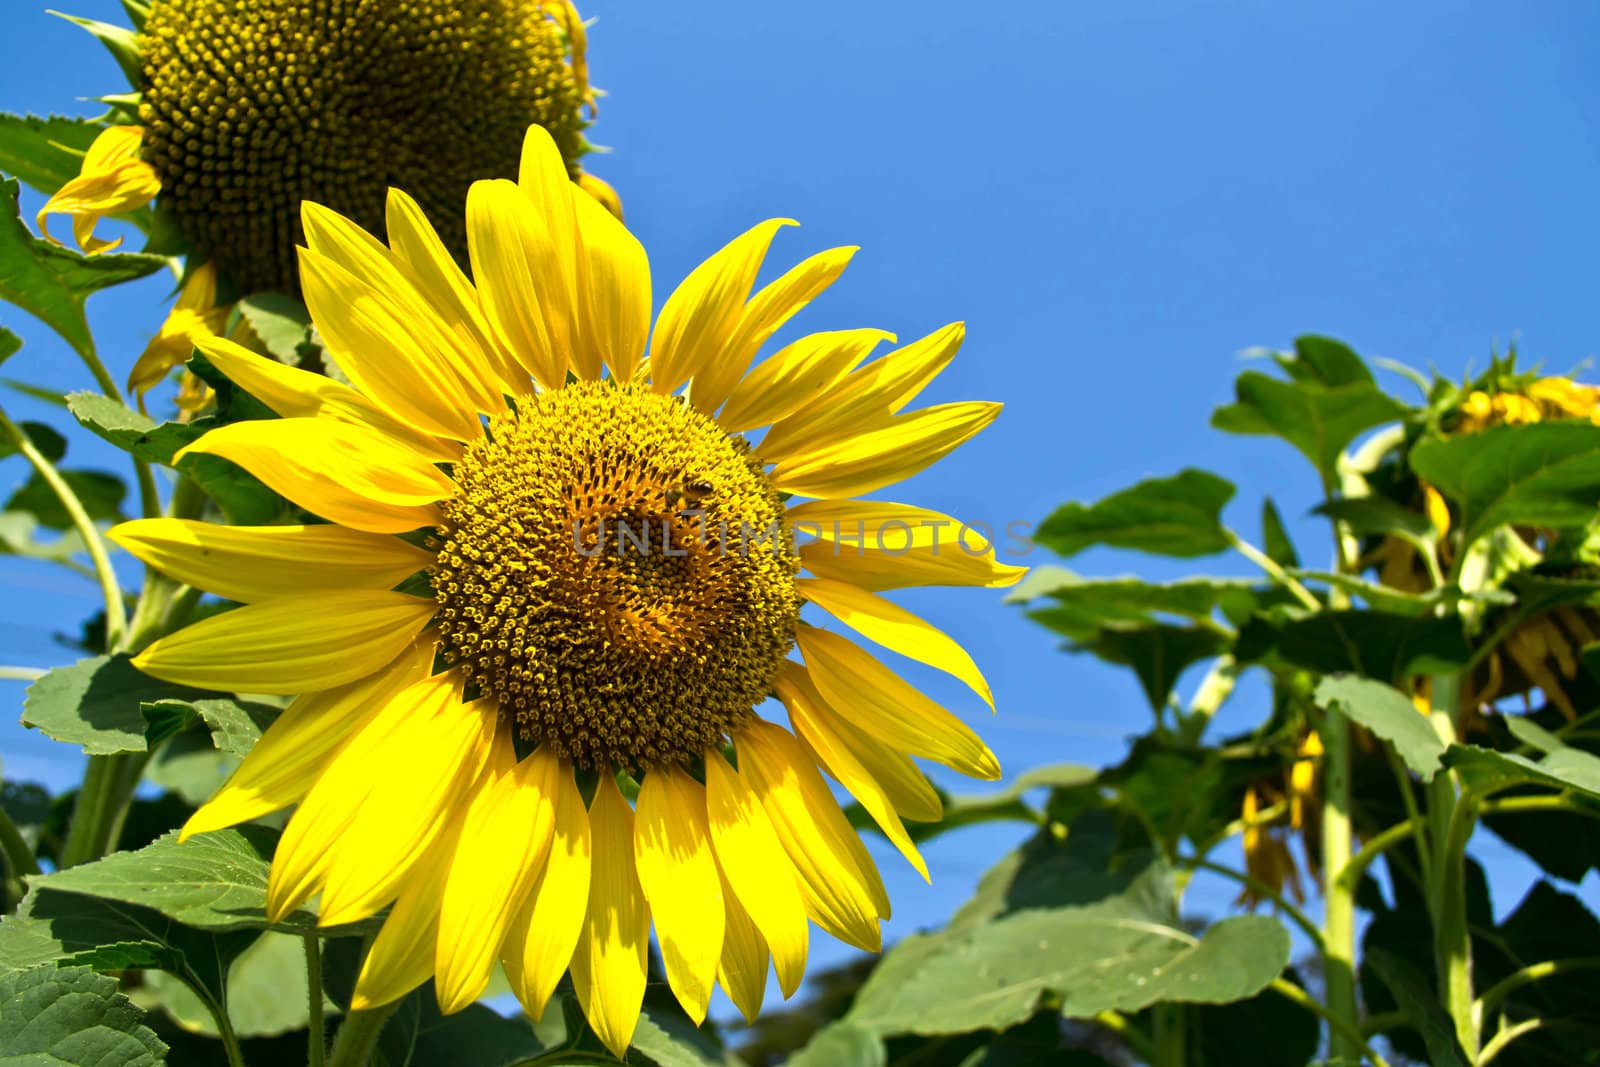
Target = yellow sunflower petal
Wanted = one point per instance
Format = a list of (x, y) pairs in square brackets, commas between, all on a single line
[(552, 239), (613, 295), (767, 310), (113, 180), (249, 563), (896, 629), (672, 848), (543, 935), (743, 968), (795, 375), (885, 452), (842, 890), (390, 347), (753, 862), (609, 966), (902, 781), (881, 388), (401, 956), (405, 811), (292, 644), (347, 474), (884, 705), (503, 847), (420, 713), (195, 315), (294, 751), (518, 282), (295, 393), (879, 545), (795, 689), (426, 261), (602, 192), (702, 313)]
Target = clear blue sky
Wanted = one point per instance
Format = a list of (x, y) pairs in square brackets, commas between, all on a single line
[(1117, 198)]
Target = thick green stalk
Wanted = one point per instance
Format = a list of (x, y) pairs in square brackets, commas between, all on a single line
[(1452, 816), (358, 1034), (1339, 898), (316, 1042)]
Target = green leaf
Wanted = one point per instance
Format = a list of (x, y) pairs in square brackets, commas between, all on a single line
[(17, 530), (418, 1036), (282, 323), (1110, 956), (130, 431), (100, 493), (95, 703), (10, 344), (666, 1040), (1275, 541), (50, 444), (1325, 361), (1377, 515), (1319, 420), (1282, 1034), (1421, 1005), (46, 153), (1380, 645), (188, 764), (1083, 605), (72, 1016), (267, 991), (1486, 771), (1389, 714), (841, 1044), (214, 881), (1176, 516), (1157, 652), (236, 725), (120, 41), (52, 282), (1545, 474)]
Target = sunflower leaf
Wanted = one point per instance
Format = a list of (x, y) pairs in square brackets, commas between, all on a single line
[(841, 1044), (1546, 474), (1388, 713), (72, 1016), (1176, 516), (96, 703), (120, 41), (1484, 770), (45, 152), (1320, 420), (215, 881), (282, 323), (130, 431), (52, 282), (1380, 645)]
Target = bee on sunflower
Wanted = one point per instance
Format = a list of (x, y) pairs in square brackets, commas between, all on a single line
[(526, 673)]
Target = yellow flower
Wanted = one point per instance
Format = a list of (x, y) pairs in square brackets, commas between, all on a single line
[(195, 315), (612, 588), (112, 181)]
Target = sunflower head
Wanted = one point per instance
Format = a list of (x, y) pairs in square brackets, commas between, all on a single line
[(251, 108), (551, 567)]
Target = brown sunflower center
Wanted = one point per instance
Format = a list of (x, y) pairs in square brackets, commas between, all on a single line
[(616, 572)]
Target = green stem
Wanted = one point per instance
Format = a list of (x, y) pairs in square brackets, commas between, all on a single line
[(1339, 1027), (22, 674), (1376, 846), (1339, 914), (19, 857), (1552, 802), (1131, 1035), (110, 590), (1266, 892), (1275, 572), (1498, 1043), (353, 1044), (316, 1043), (1384, 1021), (1414, 817), (1490, 1002), (1452, 815), (102, 806), (1170, 1038)]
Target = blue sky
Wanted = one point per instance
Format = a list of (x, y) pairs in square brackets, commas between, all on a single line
[(1117, 198)]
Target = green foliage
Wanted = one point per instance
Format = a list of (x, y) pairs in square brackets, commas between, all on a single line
[(45, 153), (1389, 715), (52, 282), (96, 702), (72, 1016), (1176, 516)]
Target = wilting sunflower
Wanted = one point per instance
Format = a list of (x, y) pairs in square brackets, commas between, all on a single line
[(244, 110), (550, 572)]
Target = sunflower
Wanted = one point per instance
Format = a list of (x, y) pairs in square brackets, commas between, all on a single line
[(549, 576)]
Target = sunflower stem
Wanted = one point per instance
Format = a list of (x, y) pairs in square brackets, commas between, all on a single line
[(316, 1041), (353, 1044)]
